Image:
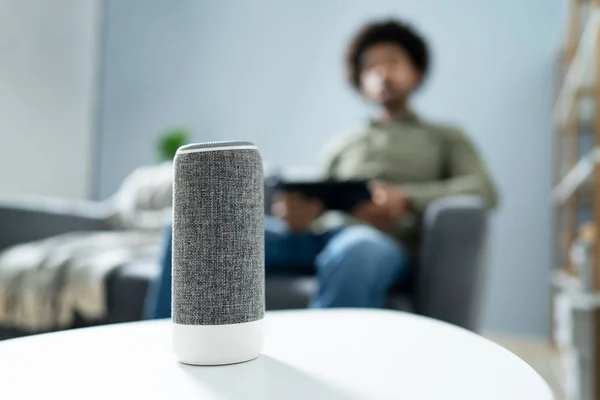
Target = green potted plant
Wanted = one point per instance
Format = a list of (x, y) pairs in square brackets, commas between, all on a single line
[(170, 141)]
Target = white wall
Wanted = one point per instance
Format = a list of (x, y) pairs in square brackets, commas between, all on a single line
[(48, 54), (269, 71)]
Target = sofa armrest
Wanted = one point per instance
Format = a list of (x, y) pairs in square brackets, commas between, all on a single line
[(24, 219), (450, 276)]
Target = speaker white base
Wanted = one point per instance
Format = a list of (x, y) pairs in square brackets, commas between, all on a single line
[(218, 344)]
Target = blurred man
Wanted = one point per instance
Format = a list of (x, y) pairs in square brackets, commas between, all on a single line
[(409, 161)]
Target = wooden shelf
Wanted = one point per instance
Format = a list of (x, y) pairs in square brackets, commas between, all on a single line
[(586, 92), (577, 176), (576, 192), (578, 60)]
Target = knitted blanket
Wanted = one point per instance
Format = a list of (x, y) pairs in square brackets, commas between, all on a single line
[(44, 284)]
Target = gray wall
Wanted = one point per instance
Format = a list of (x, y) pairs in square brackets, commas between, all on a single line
[(269, 71), (48, 59)]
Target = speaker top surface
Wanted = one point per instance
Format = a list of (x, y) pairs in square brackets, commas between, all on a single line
[(212, 146)]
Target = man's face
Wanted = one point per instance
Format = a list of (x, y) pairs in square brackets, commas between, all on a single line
[(387, 74)]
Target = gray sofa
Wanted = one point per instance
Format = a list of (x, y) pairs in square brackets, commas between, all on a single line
[(446, 286)]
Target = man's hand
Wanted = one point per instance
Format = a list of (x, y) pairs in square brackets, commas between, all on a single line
[(296, 209), (385, 208)]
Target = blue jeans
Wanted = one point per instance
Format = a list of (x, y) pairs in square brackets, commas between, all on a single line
[(355, 265)]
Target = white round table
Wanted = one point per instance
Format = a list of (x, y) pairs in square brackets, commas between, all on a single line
[(325, 354)]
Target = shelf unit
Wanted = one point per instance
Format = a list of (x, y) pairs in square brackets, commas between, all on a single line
[(576, 193), (578, 163)]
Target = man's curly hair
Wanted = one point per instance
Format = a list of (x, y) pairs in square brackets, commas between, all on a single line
[(387, 31)]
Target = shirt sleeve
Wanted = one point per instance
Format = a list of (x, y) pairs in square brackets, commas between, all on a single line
[(467, 174), (329, 156)]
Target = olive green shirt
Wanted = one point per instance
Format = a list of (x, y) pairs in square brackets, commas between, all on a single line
[(428, 161)]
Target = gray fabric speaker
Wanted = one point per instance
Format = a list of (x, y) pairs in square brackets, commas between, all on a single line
[(218, 253)]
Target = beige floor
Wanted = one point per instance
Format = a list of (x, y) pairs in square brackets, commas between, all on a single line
[(537, 353)]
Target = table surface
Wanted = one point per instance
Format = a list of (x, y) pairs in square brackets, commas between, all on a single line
[(325, 354)]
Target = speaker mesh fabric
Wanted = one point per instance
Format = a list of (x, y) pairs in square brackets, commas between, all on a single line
[(218, 236)]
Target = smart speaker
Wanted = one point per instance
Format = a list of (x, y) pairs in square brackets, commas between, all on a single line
[(218, 253)]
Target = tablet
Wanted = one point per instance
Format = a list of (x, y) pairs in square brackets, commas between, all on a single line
[(335, 195)]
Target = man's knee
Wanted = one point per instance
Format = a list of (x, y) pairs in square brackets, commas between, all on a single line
[(357, 268), (363, 249), (366, 241)]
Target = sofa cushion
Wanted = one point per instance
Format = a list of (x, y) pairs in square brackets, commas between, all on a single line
[(289, 292), (126, 289), (292, 292)]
